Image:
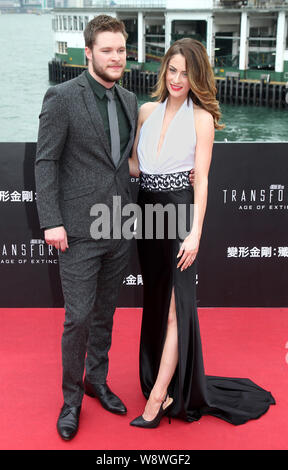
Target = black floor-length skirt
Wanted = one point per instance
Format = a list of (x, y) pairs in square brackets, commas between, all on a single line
[(195, 394)]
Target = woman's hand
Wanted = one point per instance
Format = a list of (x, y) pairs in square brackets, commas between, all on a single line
[(188, 251), (192, 176)]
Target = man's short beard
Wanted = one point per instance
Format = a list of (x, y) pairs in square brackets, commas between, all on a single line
[(102, 74)]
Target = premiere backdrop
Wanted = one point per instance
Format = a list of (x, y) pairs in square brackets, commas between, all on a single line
[(243, 258)]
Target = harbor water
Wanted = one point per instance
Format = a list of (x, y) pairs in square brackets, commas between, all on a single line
[(26, 47)]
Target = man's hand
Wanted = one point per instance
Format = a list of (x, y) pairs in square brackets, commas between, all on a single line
[(192, 177), (56, 237)]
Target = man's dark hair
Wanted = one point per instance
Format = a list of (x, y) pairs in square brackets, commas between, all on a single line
[(100, 24)]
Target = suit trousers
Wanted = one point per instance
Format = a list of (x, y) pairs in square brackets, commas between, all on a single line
[(92, 273)]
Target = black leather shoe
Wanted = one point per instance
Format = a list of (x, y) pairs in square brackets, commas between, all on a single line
[(68, 421), (108, 399), (140, 422)]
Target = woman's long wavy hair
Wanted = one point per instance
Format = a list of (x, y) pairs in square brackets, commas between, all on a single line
[(200, 75)]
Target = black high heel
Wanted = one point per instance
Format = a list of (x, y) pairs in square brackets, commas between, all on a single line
[(140, 422)]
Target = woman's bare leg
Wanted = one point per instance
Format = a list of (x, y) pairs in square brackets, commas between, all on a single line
[(168, 364)]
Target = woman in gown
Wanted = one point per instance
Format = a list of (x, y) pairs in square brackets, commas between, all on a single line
[(175, 134)]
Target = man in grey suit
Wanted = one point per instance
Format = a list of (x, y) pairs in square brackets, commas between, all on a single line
[(85, 138)]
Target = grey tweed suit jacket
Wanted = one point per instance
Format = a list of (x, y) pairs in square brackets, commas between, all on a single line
[(73, 168)]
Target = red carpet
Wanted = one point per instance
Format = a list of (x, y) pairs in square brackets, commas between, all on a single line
[(236, 342)]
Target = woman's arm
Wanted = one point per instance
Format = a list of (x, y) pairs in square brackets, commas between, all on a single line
[(203, 154), (133, 160), (205, 132), (144, 111)]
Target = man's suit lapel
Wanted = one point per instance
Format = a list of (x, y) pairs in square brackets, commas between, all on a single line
[(94, 113), (130, 118)]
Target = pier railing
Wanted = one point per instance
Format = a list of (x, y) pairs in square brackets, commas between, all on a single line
[(131, 4), (257, 60), (230, 89), (262, 4), (227, 60)]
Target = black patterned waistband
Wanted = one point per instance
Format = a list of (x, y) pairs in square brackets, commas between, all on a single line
[(165, 181)]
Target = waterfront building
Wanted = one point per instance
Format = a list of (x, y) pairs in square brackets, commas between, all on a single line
[(245, 39), (246, 36)]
